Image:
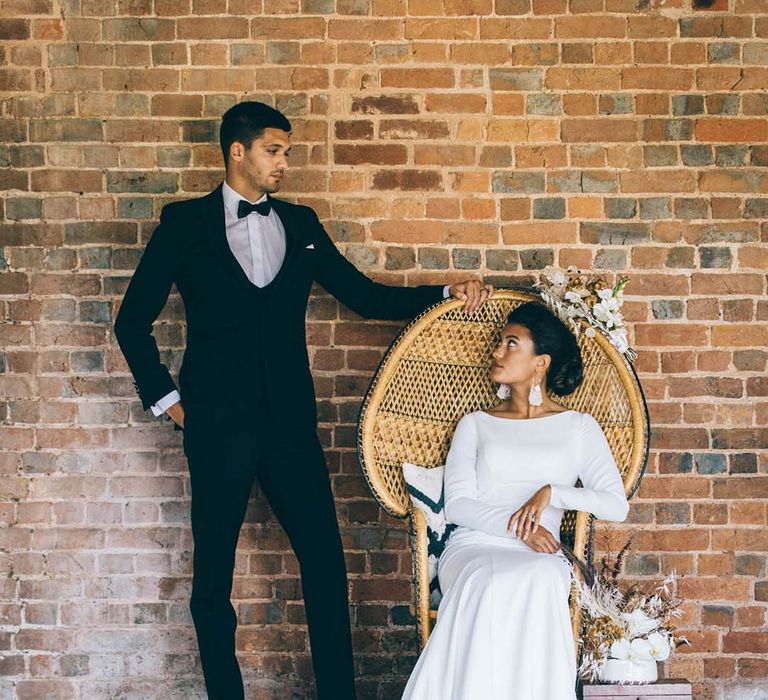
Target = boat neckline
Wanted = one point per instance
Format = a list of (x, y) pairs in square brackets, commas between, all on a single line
[(525, 420)]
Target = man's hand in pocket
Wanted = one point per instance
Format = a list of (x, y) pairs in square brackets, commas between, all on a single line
[(176, 414)]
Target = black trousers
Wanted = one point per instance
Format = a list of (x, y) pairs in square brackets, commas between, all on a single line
[(225, 456)]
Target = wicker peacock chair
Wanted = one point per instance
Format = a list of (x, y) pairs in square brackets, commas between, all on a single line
[(435, 372)]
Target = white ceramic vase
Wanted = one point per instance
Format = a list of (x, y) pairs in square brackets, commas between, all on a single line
[(629, 671)]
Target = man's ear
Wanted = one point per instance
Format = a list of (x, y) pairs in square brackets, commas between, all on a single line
[(236, 151)]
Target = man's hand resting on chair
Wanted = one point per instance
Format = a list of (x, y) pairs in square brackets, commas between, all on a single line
[(473, 293)]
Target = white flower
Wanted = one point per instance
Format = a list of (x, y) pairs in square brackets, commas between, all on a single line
[(618, 339), (603, 313), (660, 646), (573, 297), (640, 649), (638, 623), (620, 649), (605, 294), (558, 279)]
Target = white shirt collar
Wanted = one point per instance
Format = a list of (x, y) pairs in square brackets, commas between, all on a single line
[(232, 199)]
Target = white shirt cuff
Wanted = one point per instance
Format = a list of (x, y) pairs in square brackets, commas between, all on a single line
[(165, 403), (446, 291)]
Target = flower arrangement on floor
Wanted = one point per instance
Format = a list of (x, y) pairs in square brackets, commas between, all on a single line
[(627, 631), (575, 297)]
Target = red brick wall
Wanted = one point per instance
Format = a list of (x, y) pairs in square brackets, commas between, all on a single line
[(437, 139)]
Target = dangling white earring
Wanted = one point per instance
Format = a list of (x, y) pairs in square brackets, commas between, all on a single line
[(534, 395), (504, 392)]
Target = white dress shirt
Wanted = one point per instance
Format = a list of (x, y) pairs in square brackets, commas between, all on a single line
[(258, 242)]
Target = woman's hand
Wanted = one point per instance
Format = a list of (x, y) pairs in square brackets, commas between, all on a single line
[(542, 541), (525, 520)]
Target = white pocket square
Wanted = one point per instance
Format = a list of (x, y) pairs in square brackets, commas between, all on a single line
[(311, 246)]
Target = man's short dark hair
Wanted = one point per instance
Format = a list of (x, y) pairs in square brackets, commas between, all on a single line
[(246, 122)]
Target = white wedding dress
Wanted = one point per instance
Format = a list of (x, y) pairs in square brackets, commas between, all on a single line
[(503, 630)]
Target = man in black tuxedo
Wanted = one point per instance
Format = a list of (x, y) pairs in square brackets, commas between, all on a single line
[(243, 263)]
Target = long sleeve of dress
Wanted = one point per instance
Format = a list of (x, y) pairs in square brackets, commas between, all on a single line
[(603, 491), (462, 505)]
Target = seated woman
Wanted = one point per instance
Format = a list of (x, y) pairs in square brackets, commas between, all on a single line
[(504, 630)]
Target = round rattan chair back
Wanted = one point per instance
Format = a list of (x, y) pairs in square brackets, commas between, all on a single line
[(436, 371)]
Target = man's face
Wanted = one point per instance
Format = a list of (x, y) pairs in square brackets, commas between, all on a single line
[(263, 165)]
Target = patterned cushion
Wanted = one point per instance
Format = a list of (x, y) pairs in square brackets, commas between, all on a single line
[(425, 487)]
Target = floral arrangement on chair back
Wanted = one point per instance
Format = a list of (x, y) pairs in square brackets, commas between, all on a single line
[(627, 630), (576, 296)]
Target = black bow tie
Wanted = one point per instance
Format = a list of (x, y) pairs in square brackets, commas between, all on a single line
[(244, 208)]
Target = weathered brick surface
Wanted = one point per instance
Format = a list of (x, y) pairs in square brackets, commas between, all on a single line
[(436, 139)]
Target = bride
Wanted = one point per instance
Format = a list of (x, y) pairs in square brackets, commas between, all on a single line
[(504, 630)]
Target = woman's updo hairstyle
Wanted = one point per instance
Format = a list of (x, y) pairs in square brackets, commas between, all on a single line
[(552, 337)]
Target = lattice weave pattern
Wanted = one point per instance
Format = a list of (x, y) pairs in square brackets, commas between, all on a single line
[(443, 375)]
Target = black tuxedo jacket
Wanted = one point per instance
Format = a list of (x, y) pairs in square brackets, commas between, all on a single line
[(245, 344)]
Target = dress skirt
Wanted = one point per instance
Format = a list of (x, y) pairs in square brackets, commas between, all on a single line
[(503, 630)]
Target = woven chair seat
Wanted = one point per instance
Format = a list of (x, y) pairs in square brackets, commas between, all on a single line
[(436, 371)]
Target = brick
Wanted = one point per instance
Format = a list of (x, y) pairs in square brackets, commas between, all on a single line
[(507, 182), (407, 180), (417, 77), (444, 155), (390, 154), (455, 103), (539, 233), (753, 642), (670, 335), (352, 130), (430, 28), (385, 104), (613, 233), (399, 258), (741, 130), (694, 156), (416, 231), (433, 258), (598, 130), (515, 79), (657, 181)]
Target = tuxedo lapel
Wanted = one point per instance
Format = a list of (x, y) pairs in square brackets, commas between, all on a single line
[(292, 237), (216, 231)]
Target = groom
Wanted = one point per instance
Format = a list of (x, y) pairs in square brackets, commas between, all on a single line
[(243, 263)]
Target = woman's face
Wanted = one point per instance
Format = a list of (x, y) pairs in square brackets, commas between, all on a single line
[(514, 360)]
